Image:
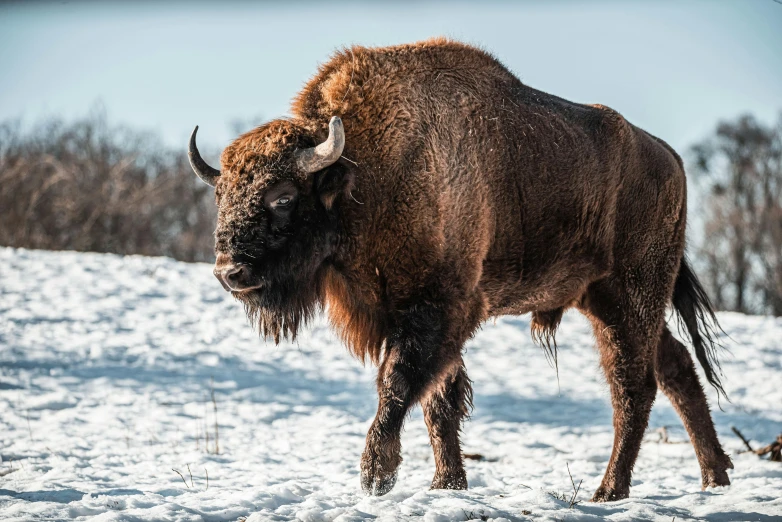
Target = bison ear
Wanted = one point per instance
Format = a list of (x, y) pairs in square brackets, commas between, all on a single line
[(333, 181)]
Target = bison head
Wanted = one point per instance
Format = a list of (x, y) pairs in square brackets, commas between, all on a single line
[(277, 193)]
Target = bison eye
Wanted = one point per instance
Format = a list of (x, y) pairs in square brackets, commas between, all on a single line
[(282, 203), (281, 197)]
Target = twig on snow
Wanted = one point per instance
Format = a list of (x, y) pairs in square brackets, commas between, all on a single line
[(773, 450), (743, 439), (473, 456), (664, 439)]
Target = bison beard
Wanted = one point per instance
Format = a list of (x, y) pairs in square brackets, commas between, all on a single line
[(291, 294), (279, 314), (462, 194)]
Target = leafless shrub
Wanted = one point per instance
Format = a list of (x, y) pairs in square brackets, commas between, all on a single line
[(88, 186)]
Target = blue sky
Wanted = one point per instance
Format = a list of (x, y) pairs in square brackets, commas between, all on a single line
[(673, 68)]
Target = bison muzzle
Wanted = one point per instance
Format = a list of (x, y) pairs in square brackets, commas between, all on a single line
[(422, 189)]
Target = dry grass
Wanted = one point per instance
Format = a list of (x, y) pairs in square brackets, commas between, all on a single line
[(571, 499), (211, 438)]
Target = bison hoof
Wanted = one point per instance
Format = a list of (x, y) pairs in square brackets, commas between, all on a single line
[(453, 481), (604, 494), (377, 484), (717, 476), (378, 468)]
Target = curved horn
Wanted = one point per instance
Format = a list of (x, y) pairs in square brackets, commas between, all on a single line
[(316, 158), (202, 169)]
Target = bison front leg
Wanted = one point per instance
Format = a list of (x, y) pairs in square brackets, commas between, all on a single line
[(444, 408), (416, 353)]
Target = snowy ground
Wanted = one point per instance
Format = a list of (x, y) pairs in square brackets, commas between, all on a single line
[(105, 370)]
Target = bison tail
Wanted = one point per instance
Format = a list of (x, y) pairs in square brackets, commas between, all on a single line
[(697, 317)]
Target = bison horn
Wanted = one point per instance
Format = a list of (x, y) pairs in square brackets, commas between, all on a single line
[(316, 158), (202, 169)]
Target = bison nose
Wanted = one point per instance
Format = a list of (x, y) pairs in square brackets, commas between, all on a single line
[(235, 276)]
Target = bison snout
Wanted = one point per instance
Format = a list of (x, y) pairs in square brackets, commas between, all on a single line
[(236, 276)]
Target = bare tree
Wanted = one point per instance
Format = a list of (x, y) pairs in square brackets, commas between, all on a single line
[(742, 248), (91, 187)]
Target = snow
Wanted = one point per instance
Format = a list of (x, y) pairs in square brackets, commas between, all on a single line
[(106, 364)]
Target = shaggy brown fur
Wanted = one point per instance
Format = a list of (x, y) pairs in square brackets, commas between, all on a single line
[(463, 194)]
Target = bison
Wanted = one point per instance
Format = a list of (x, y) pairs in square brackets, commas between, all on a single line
[(419, 190)]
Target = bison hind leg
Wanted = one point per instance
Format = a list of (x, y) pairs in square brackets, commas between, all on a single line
[(543, 328), (677, 378)]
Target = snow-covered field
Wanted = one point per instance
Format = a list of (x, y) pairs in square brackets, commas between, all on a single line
[(106, 365)]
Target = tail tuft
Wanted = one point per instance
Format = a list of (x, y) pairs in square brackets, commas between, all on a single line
[(697, 318)]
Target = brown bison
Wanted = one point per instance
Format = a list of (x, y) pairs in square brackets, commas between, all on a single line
[(421, 189)]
